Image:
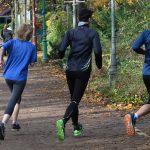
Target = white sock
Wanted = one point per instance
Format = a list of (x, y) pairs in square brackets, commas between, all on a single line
[(136, 116)]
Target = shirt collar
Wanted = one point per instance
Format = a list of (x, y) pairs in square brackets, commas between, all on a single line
[(81, 23)]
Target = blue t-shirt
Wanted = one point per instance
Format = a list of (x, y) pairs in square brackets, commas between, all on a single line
[(144, 39), (21, 54)]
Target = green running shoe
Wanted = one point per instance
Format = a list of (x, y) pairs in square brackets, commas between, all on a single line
[(78, 130), (60, 129)]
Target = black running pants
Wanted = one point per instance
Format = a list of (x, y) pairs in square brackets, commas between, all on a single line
[(77, 82), (16, 88), (146, 79)]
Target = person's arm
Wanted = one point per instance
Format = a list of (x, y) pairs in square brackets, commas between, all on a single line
[(32, 64), (97, 51), (1, 56), (64, 44), (33, 57), (138, 43), (2, 34), (6, 46)]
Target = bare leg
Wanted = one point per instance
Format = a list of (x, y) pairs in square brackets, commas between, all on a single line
[(144, 110), (15, 113), (5, 118)]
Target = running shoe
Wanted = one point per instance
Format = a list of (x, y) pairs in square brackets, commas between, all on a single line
[(60, 129), (130, 122), (78, 129), (15, 127), (2, 131)]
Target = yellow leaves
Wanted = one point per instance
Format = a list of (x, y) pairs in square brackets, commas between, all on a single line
[(131, 2), (129, 106), (48, 23), (99, 3), (120, 106), (123, 106), (105, 3), (93, 97)]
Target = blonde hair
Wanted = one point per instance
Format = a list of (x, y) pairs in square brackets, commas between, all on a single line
[(24, 32)]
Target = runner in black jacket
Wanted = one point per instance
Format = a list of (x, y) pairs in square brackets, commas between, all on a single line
[(82, 40)]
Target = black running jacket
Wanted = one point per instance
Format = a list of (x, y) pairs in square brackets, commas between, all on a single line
[(82, 41)]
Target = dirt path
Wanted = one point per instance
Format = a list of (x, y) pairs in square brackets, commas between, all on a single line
[(44, 101)]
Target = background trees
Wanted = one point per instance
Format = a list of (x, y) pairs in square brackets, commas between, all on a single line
[(132, 17)]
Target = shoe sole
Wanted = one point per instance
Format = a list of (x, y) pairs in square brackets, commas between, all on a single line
[(15, 130), (1, 134), (129, 126), (60, 130)]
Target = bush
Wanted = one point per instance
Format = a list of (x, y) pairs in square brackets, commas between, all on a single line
[(56, 27), (129, 86)]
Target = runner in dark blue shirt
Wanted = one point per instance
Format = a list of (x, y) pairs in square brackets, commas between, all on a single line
[(82, 41), (142, 40), (22, 53)]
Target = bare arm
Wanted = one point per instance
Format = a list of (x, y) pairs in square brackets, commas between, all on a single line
[(1, 56)]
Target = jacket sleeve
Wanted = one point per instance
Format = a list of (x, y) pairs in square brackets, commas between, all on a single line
[(64, 44), (138, 43), (97, 50)]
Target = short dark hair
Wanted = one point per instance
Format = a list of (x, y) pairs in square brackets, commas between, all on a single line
[(85, 14)]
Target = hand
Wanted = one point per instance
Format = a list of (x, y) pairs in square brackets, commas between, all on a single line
[(32, 64), (2, 63)]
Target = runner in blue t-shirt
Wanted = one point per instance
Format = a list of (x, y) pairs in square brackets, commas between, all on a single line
[(22, 53)]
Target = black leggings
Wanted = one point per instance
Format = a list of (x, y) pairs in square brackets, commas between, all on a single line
[(16, 88), (77, 82), (146, 79)]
